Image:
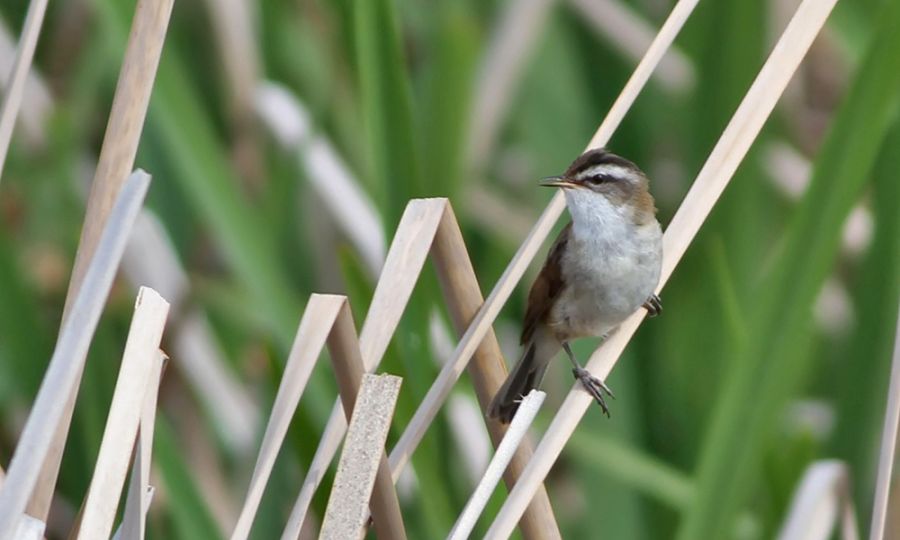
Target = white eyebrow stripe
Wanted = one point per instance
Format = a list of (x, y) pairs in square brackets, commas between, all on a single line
[(606, 169)]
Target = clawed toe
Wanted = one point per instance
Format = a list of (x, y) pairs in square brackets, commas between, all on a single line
[(653, 305), (595, 387)]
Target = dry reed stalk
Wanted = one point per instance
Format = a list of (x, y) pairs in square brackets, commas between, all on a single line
[(888, 446), (487, 370), (724, 159), (67, 363), (426, 224), (402, 267), (516, 433), (348, 369), (12, 98), (132, 533), (482, 321), (36, 101), (318, 319), (626, 30), (123, 130), (140, 493), (120, 142), (362, 460), (30, 529), (821, 499), (139, 361)]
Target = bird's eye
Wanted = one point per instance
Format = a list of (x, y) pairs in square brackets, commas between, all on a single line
[(598, 179)]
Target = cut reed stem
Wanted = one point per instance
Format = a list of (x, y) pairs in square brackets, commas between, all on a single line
[(139, 361), (348, 369), (362, 461)]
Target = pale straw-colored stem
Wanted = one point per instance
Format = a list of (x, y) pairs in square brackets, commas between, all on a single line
[(67, 363), (363, 461), (130, 534), (37, 103), (140, 492), (318, 318), (483, 320), (402, 267), (139, 361), (12, 98), (821, 501), (123, 130), (487, 369), (740, 133), (120, 143), (888, 444), (518, 428), (343, 345)]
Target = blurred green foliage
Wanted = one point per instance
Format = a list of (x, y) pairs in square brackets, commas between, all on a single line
[(708, 438)]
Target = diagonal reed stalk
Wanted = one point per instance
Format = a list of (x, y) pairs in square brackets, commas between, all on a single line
[(140, 359), (724, 159), (120, 142), (12, 98), (140, 492), (317, 321), (888, 445), (67, 363), (518, 429)]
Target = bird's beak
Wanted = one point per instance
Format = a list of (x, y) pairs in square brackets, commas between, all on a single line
[(558, 181)]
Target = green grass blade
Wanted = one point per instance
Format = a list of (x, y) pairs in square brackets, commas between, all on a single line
[(190, 514), (866, 362), (645, 473), (386, 106)]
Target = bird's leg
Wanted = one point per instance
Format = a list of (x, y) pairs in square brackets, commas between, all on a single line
[(594, 386), (653, 305)]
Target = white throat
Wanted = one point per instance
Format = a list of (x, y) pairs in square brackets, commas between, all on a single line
[(594, 218)]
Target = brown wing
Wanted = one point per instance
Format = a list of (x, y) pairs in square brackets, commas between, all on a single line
[(546, 287)]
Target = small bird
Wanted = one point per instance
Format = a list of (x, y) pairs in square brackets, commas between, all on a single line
[(603, 266)]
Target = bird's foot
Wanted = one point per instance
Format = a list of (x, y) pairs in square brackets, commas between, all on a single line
[(595, 387), (653, 305)]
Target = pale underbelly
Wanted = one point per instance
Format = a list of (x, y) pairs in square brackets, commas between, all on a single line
[(600, 303)]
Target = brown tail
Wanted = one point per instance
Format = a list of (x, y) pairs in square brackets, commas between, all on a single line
[(525, 376)]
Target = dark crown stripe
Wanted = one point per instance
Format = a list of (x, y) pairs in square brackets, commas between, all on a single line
[(598, 156)]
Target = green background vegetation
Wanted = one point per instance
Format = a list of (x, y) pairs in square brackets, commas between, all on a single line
[(723, 401)]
